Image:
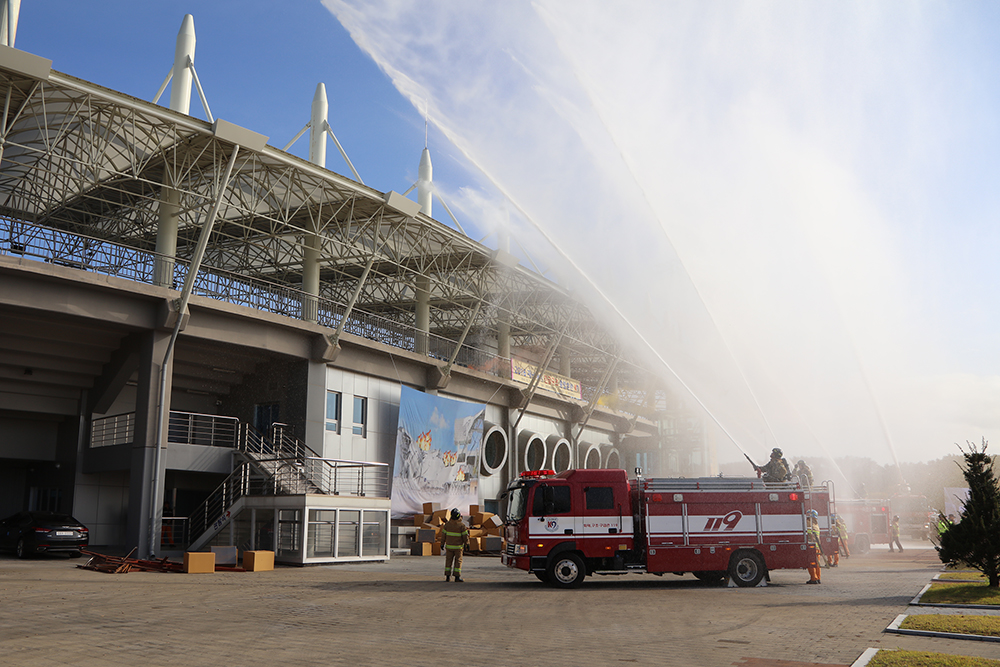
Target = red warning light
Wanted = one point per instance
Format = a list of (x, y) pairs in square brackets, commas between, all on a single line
[(537, 473), (793, 496)]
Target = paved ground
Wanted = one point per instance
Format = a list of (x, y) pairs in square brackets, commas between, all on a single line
[(403, 613)]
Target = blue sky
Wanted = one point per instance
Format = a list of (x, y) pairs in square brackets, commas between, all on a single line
[(793, 205), (259, 63)]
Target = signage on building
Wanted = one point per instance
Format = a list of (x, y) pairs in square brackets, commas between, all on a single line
[(524, 371)]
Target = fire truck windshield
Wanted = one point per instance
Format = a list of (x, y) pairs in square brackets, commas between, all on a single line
[(517, 507)]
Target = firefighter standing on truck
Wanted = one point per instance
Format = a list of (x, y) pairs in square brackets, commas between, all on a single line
[(454, 538), (775, 470)]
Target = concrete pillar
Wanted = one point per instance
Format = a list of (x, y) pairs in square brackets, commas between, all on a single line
[(423, 315), (310, 278), (565, 365), (180, 100), (166, 238), (152, 349), (503, 343), (310, 253)]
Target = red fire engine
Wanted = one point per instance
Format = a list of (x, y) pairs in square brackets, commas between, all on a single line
[(564, 527), (867, 523)]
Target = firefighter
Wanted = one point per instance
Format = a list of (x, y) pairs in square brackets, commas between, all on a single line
[(845, 551), (454, 539), (943, 524), (803, 473), (894, 534), (833, 558), (812, 537), (775, 470)]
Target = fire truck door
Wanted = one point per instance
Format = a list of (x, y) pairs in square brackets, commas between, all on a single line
[(551, 512)]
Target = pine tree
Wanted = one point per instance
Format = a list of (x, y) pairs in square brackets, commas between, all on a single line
[(975, 540)]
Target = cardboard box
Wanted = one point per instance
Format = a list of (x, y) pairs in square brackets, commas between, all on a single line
[(474, 544), (441, 515), (425, 535), (494, 521), (421, 549), (493, 530), (199, 562), (436, 549), (430, 508), (480, 518), (419, 519), (226, 556), (491, 543), (473, 510), (258, 561), (477, 532)]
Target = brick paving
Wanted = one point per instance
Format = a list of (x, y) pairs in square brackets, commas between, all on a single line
[(403, 613)]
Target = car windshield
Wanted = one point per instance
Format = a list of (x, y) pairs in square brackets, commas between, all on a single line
[(518, 505)]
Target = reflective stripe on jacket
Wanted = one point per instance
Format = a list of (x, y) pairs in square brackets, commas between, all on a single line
[(454, 534)]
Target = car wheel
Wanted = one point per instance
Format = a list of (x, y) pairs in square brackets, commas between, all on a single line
[(21, 550), (566, 571), (746, 568)]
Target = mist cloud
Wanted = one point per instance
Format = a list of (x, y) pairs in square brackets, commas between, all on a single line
[(752, 185)]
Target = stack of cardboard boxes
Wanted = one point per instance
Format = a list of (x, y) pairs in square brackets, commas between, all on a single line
[(484, 530)]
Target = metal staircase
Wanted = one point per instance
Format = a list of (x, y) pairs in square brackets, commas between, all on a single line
[(277, 465)]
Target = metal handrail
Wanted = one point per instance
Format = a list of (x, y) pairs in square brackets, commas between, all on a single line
[(190, 428), (113, 430)]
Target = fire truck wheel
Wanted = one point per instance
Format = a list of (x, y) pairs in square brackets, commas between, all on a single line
[(861, 545), (746, 568), (566, 571)]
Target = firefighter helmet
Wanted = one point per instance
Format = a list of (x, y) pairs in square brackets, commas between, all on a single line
[(776, 453), (812, 514), (455, 515)]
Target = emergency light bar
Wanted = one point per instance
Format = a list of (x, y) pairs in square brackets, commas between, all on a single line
[(537, 473)]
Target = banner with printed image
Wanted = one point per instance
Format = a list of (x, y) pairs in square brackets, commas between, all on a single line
[(438, 442)]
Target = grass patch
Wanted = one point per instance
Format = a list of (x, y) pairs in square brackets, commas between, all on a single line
[(926, 659), (971, 575), (961, 594), (969, 625)]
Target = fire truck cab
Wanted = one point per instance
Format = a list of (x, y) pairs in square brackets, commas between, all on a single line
[(564, 527)]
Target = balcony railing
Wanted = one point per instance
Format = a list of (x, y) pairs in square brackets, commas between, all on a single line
[(188, 428)]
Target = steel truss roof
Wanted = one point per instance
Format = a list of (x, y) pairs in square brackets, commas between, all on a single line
[(90, 163)]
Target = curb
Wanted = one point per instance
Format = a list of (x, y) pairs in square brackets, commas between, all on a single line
[(865, 657), (894, 628), (937, 579)]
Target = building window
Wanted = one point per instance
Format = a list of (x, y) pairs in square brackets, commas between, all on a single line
[(333, 411), (360, 415)]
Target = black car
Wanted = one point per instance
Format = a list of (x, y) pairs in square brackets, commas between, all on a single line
[(28, 533)]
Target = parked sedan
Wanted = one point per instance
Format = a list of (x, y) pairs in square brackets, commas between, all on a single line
[(28, 533)]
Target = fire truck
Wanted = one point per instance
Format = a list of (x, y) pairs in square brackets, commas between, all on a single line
[(867, 523), (564, 527)]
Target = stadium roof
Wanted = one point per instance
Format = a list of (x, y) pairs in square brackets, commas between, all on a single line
[(82, 172)]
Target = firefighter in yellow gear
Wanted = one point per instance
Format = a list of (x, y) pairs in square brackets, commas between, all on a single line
[(833, 559), (454, 539), (842, 534), (812, 537)]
